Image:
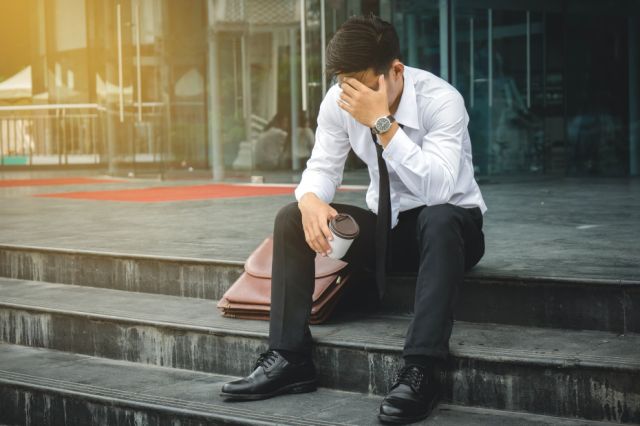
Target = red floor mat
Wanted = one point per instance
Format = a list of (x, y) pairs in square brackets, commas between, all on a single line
[(177, 193), (8, 183)]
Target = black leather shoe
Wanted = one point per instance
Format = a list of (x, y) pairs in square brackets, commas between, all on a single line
[(413, 395), (272, 375)]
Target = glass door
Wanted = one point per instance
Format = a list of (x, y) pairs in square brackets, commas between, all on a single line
[(150, 87), (497, 65), (112, 63), (260, 54), (550, 86)]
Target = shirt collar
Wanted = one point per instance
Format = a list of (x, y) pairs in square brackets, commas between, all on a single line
[(407, 113)]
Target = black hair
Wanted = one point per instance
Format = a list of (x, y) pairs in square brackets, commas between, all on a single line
[(363, 42)]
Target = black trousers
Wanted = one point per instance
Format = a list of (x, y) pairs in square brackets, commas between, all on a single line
[(438, 242)]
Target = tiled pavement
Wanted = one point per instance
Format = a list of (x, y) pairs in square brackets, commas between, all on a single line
[(573, 228)]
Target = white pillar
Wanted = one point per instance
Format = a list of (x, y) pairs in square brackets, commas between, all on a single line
[(294, 87), (216, 161), (323, 47)]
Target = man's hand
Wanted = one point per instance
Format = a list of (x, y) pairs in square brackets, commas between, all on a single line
[(364, 104), (315, 217)]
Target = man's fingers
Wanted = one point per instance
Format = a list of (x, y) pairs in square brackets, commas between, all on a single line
[(348, 89), (322, 242), (327, 232), (316, 243), (323, 236), (346, 98), (316, 229), (345, 106), (316, 248), (355, 84), (310, 238), (382, 84), (307, 238), (321, 239)]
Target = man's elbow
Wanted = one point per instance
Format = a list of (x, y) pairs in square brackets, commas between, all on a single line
[(440, 191)]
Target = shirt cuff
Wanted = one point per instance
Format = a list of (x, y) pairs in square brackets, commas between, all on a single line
[(398, 148), (321, 192)]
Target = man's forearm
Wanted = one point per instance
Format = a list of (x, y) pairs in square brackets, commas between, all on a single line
[(386, 137), (307, 196)]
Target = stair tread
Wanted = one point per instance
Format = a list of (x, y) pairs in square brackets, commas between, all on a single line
[(480, 272), (554, 347), (195, 393)]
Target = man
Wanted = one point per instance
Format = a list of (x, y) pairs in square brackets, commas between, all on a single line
[(422, 187)]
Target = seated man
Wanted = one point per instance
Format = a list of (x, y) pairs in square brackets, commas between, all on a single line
[(425, 209)]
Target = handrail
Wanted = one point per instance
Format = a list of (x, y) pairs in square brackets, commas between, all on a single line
[(46, 107), (68, 106)]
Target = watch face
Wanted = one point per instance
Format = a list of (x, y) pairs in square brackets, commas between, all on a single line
[(383, 124)]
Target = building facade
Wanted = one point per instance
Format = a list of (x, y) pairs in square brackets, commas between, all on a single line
[(234, 86)]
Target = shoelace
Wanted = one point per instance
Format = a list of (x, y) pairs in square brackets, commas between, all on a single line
[(266, 359), (409, 375)]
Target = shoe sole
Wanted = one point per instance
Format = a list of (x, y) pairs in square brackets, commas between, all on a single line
[(300, 387), (400, 420), (386, 419)]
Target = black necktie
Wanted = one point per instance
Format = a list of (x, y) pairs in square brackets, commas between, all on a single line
[(383, 220)]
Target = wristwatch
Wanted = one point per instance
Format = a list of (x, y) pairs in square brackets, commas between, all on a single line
[(382, 124)]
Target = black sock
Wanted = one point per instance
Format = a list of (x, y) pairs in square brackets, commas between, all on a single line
[(424, 361), (293, 356)]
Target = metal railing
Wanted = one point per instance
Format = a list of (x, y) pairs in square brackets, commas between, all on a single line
[(50, 134), (65, 134)]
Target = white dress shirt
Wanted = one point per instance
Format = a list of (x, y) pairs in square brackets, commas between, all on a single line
[(429, 159)]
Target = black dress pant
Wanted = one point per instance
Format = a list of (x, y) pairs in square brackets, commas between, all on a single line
[(439, 243)]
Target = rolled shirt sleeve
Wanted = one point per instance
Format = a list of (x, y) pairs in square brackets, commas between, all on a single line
[(325, 167), (430, 171)]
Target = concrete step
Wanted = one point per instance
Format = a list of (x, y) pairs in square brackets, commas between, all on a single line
[(486, 296), (587, 374), (44, 387)]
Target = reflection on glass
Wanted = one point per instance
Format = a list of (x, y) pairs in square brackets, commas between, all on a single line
[(418, 26), (547, 92), (152, 85), (262, 84), (597, 102)]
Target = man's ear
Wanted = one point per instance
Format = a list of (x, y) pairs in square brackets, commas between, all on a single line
[(397, 69)]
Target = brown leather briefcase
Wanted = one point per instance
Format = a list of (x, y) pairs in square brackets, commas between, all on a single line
[(250, 296)]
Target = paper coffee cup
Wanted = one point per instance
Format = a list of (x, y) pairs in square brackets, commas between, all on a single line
[(344, 229)]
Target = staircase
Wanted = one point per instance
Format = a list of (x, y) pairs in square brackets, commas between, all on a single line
[(109, 338)]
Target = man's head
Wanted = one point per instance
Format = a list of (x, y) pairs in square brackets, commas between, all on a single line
[(363, 48)]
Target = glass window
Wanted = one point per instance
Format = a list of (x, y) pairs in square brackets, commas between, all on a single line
[(418, 27), (267, 61), (552, 88), (547, 90)]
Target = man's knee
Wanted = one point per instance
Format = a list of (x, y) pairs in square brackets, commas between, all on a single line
[(288, 215), (437, 222)]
